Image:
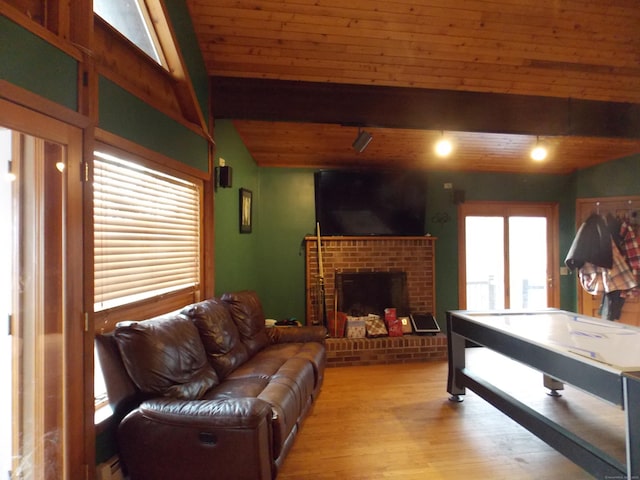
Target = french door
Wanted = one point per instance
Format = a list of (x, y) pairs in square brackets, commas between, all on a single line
[(42, 417), (507, 256)]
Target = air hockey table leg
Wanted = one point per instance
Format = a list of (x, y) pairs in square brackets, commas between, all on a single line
[(631, 399), (553, 384), (456, 357)]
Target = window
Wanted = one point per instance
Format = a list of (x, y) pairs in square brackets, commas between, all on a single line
[(146, 242), (131, 18), (146, 232)]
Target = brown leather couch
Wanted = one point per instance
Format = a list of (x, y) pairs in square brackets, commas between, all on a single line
[(209, 392)]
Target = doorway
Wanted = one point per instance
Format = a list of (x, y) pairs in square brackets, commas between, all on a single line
[(507, 256), (42, 352)]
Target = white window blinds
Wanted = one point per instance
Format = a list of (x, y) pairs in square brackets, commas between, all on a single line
[(146, 231)]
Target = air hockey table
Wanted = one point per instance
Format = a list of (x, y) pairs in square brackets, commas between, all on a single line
[(597, 356)]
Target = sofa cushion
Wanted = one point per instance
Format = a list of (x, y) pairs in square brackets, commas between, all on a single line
[(258, 366), (219, 335), (313, 352), (165, 356), (246, 311), (238, 388)]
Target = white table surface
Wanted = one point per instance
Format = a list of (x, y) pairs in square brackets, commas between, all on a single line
[(604, 342)]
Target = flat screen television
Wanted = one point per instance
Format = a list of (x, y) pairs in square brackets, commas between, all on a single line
[(371, 202)]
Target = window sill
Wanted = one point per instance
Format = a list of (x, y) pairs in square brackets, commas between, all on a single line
[(102, 418)]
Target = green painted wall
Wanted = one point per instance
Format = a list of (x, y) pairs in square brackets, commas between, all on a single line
[(288, 215), (126, 115), (236, 266), (190, 50), (617, 178), (270, 260), (35, 65)]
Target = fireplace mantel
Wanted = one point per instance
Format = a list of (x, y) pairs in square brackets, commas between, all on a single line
[(413, 255)]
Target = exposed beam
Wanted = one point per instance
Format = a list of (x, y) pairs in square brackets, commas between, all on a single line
[(396, 107)]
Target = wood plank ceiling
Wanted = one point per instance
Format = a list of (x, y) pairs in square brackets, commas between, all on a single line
[(299, 77)]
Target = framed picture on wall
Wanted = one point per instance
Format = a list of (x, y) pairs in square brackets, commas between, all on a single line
[(246, 210)]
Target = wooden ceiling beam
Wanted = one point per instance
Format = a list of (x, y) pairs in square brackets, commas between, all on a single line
[(413, 108)]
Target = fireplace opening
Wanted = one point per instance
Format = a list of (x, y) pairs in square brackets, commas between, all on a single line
[(362, 293)]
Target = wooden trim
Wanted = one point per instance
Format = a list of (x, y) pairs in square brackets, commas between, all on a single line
[(184, 87), (78, 339), (144, 154), (208, 266), (106, 320), (30, 100), (21, 19), (170, 92), (339, 238), (581, 203), (553, 245), (462, 260)]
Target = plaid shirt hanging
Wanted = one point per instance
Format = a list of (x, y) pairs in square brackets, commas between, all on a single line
[(630, 246)]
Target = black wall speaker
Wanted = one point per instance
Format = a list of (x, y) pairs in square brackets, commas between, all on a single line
[(458, 197), (224, 176)]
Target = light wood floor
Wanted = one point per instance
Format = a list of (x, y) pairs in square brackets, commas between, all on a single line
[(395, 422)]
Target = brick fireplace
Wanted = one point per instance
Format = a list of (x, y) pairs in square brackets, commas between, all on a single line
[(415, 256)]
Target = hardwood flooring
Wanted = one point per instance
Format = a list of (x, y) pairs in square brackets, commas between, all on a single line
[(396, 422)]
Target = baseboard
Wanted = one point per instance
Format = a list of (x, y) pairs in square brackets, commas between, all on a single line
[(110, 470)]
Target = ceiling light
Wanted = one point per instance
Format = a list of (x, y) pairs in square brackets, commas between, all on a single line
[(362, 140), (443, 147), (539, 152)]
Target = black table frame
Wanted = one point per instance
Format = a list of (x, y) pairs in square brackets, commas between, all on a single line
[(617, 387)]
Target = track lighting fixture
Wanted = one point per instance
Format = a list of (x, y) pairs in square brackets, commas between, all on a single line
[(539, 152), (444, 147), (362, 140)]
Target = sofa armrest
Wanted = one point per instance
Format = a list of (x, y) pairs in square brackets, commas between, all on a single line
[(168, 438), (235, 413), (297, 334)]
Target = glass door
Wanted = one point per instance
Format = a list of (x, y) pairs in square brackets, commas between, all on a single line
[(41, 290), (529, 269), (508, 256)]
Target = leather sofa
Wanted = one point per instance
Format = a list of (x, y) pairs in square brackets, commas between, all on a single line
[(210, 392)]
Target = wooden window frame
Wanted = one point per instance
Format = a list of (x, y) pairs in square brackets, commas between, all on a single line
[(105, 320)]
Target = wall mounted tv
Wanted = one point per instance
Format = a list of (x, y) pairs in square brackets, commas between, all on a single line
[(371, 202)]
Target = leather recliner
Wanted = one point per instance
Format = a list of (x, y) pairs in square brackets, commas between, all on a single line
[(210, 392)]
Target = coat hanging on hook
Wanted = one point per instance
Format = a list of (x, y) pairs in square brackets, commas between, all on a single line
[(592, 244)]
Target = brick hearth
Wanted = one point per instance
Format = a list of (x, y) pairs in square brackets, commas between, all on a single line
[(346, 352), (413, 255)]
